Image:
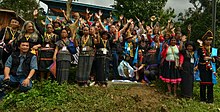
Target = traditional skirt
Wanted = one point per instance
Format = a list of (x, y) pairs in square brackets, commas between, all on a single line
[(102, 69), (187, 75), (84, 68), (170, 74), (45, 58), (63, 68)]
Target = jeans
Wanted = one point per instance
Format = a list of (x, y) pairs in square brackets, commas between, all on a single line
[(17, 80), (115, 64)]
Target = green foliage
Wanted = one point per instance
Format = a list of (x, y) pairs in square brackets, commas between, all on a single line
[(144, 9), (47, 96), (24, 8), (200, 18), (194, 105)]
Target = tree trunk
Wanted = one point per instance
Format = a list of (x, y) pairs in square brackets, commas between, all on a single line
[(68, 9)]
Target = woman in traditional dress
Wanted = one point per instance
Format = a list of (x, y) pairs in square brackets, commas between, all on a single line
[(86, 57), (187, 68), (102, 59), (47, 51), (62, 56), (172, 59), (207, 68)]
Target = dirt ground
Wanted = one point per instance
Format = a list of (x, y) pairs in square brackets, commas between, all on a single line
[(146, 96)]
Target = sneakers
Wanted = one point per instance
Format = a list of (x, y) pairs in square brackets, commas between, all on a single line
[(92, 83)]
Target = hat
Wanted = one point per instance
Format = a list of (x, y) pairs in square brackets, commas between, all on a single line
[(153, 18), (208, 35), (128, 35)]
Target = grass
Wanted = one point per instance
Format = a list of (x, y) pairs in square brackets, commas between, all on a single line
[(47, 96)]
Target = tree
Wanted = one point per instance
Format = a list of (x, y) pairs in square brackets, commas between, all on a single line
[(68, 8), (200, 18), (24, 8), (144, 9)]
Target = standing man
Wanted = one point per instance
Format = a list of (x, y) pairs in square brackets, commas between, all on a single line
[(206, 68), (8, 35)]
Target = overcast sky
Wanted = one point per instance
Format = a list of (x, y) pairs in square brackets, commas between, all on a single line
[(178, 5)]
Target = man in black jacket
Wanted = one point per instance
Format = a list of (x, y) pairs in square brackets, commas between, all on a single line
[(20, 67)]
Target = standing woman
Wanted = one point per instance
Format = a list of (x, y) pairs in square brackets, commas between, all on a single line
[(47, 47), (102, 58), (62, 57), (86, 57), (187, 69), (47, 51), (172, 59), (207, 75)]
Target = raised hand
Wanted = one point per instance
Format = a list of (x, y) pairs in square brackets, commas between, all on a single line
[(189, 27), (142, 22), (169, 21), (173, 29), (42, 22), (110, 14), (100, 13), (171, 25), (121, 17), (35, 13), (137, 18), (97, 16), (87, 11), (130, 20), (148, 28), (200, 42), (183, 38), (58, 18), (90, 15), (82, 21), (50, 19), (62, 11)]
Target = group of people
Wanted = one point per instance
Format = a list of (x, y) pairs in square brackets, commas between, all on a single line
[(132, 51)]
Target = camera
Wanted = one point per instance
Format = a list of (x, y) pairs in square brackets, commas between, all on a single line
[(5, 85)]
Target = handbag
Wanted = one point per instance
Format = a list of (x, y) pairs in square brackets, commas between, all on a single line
[(175, 58), (71, 47)]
